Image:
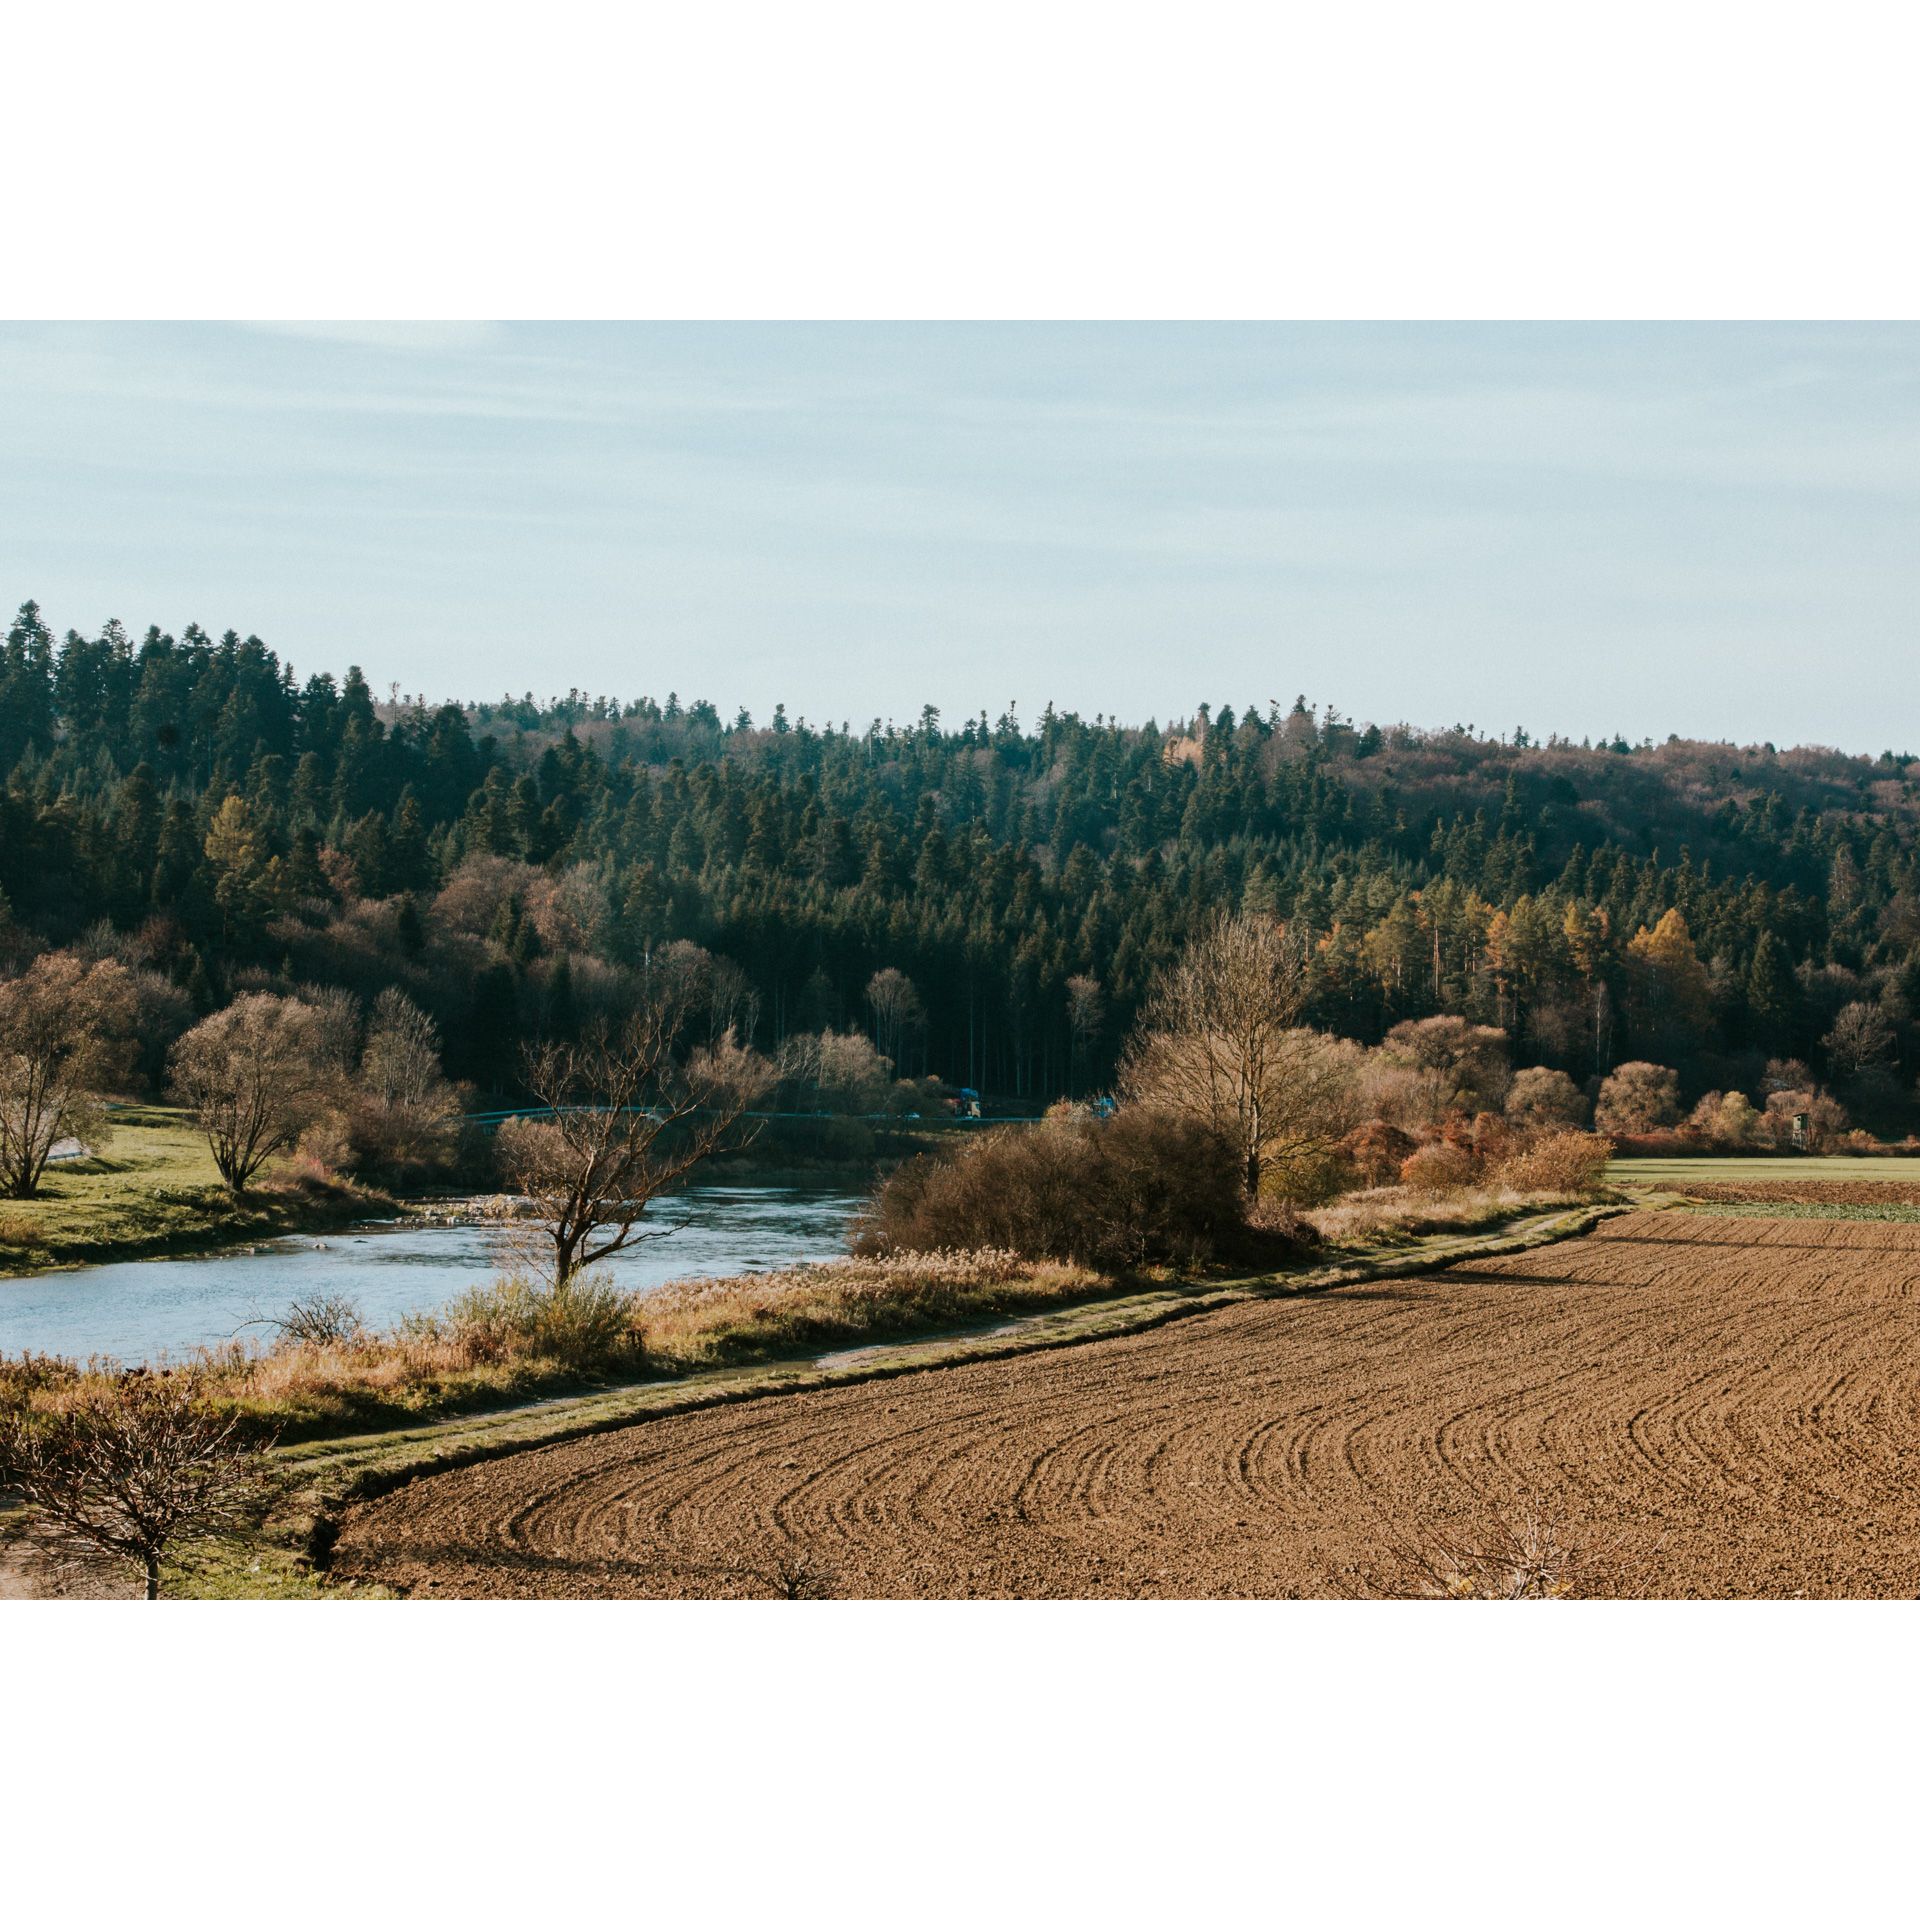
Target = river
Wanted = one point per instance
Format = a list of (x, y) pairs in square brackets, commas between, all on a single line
[(144, 1310)]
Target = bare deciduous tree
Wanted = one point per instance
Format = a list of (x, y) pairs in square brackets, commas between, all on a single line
[(1454, 1063), (833, 1072), (336, 1025), (131, 1475), (404, 1098), (897, 1013), (732, 1004), (1086, 1013), (621, 1128), (255, 1075), (62, 1025), (1219, 1039), (1862, 1037)]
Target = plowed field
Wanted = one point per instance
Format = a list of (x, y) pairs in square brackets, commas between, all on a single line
[(1801, 1193), (1720, 1407)]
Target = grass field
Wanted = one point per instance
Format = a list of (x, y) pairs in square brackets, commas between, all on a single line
[(1796, 1187), (153, 1191)]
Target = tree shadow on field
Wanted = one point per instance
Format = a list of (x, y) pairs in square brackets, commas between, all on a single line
[(1468, 1277), (1410, 1289)]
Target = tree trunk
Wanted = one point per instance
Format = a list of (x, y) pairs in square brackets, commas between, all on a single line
[(153, 1576)]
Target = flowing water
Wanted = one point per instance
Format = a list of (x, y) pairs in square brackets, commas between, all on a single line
[(138, 1310)]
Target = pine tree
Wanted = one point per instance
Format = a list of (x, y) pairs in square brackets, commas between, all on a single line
[(1772, 992)]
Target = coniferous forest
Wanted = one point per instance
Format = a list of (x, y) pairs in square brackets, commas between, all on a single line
[(192, 807)]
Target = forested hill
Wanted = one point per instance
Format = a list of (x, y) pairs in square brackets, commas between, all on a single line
[(505, 861)]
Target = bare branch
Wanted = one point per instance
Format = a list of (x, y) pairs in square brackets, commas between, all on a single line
[(255, 1076), (621, 1127), (131, 1475)]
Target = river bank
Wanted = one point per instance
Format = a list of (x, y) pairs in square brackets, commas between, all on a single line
[(159, 1311), (154, 1191)]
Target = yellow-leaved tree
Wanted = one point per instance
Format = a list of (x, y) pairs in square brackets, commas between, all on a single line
[(1667, 1004)]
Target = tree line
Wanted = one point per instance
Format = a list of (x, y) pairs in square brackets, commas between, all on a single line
[(989, 902)]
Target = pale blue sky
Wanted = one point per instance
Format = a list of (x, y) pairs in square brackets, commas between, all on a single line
[(1699, 529)]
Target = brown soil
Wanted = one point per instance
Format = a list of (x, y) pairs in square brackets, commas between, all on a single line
[(1805, 1193), (1716, 1407)]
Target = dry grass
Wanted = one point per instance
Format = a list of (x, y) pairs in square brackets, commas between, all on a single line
[(1393, 1216), (697, 1323), (513, 1340)]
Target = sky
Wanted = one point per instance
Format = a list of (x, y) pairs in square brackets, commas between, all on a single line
[(1703, 529)]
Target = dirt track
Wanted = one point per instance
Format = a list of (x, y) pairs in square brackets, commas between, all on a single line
[(1728, 1405)]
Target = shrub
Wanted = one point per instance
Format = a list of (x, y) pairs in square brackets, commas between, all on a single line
[(1440, 1168), (321, 1320), (1144, 1186), (1823, 1119), (1664, 1143), (1733, 1122), (1282, 1225), (1540, 1096), (587, 1323), (1377, 1151), (1559, 1163), (1639, 1098), (130, 1473)]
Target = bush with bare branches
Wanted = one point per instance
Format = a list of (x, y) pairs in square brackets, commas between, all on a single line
[(1143, 1187), (1558, 1163), (801, 1575), (1440, 1168), (1531, 1555), (1637, 1098), (1541, 1096), (132, 1473)]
